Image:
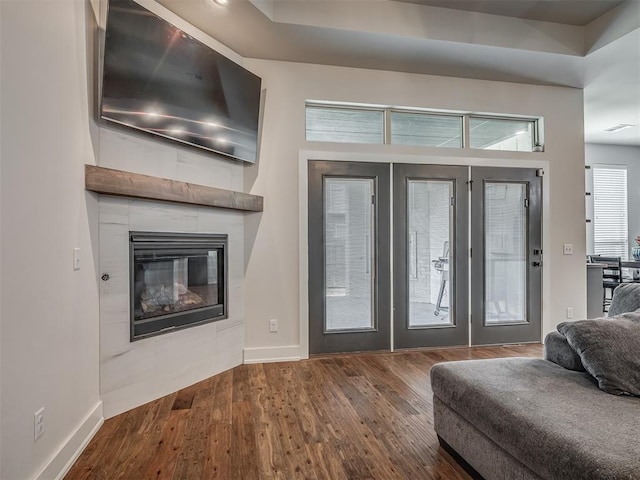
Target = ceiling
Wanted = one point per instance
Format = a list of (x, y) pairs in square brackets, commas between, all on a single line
[(589, 44), (577, 13)]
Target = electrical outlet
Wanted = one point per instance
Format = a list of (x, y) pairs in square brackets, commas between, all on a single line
[(569, 312), (567, 249), (273, 325), (76, 259), (38, 424)]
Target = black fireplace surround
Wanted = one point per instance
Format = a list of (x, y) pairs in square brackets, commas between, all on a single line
[(178, 280)]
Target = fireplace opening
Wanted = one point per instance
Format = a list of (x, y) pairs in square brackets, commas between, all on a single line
[(178, 280)]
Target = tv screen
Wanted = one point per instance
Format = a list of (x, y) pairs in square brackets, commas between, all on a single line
[(159, 80)]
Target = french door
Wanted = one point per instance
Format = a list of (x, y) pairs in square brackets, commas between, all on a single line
[(349, 266), (430, 245), (506, 262), (466, 256)]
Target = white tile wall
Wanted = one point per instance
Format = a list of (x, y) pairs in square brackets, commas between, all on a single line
[(129, 152), (147, 216), (134, 373), (135, 153), (114, 256), (195, 168)]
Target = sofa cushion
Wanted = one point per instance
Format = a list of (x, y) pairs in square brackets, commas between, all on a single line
[(609, 350), (553, 420), (558, 350), (626, 298)]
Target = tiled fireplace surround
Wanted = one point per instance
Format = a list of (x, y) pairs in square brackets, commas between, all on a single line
[(133, 373)]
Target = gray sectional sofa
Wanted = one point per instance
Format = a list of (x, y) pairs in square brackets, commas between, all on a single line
[(526, 418)]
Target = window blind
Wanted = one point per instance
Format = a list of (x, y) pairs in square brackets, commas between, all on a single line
[(610, 223), (385, 125), (426, 130), (343, 125), (501, 134)]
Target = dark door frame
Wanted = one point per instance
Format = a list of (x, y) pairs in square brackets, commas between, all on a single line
[(304, 240), (519, 332), (379, 337), (458, 332)]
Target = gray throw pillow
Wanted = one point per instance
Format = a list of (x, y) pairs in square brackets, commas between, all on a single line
[(626, 298), (609, 350)]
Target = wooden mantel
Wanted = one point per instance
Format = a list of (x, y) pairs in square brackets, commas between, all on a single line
[(126, 184)]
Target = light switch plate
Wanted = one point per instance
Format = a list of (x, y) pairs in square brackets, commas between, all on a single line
[(567, 249)]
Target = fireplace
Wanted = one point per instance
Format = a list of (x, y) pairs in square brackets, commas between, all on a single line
[(178, 280)]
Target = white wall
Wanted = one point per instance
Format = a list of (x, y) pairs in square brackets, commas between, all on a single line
[(598, 154), (49, 313), (272, 274)]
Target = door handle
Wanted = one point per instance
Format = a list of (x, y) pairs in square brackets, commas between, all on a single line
[(536, 264)]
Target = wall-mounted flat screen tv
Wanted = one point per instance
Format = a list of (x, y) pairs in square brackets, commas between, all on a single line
[(159, 80)]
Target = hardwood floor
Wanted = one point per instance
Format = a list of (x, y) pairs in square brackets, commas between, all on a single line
[(357, 416)]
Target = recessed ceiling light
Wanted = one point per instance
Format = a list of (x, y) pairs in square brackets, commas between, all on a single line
[(224, 3), (617, 128)]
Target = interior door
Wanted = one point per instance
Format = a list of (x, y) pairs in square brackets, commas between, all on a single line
[(349, 266), (506, 261), (430, 242)]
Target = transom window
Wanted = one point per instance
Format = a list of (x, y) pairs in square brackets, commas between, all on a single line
[(502, 134), (393, 126)]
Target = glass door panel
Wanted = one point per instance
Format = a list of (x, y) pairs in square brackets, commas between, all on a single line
[(430, 224), (506, 265), (505, 237), (349, 259), (349, 247), (429, 218)]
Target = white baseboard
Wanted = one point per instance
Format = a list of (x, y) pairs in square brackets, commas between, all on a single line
[(63, 459), (290, 353)]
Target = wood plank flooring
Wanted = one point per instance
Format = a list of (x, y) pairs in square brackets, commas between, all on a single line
[(355, 416)]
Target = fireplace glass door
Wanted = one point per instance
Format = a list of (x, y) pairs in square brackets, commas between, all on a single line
[(177, 280)]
